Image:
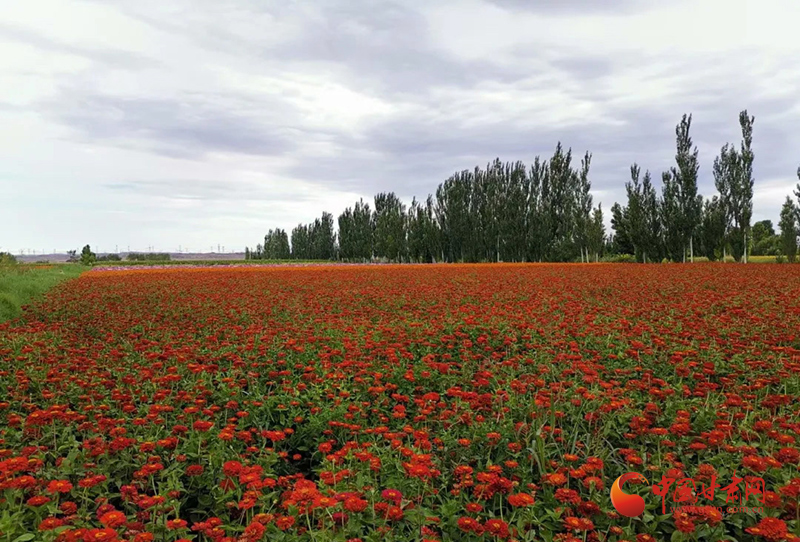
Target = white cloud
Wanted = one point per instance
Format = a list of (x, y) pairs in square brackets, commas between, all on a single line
[(202, 122)]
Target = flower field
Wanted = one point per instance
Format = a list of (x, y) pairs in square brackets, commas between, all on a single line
[(402, 403)]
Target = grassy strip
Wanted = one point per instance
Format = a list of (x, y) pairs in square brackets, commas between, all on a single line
[(19, 284)]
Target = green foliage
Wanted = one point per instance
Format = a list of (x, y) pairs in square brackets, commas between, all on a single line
[(672, 218), (733, 177), (87, 256), (619, 258), (688, 218), (510, 212), (788, 226), (315, 241), (505, 212), (712, 229), (20, 284), (356, 233), (389, 227), (620, 223), (764, 240), (148, 257), (642, 217), (797, 195), (275, 247), (109, 258), (423, 234), (6, 258)]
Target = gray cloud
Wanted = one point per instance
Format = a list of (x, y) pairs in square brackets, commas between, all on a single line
[(203, 190), (340, 99), (187, 128)]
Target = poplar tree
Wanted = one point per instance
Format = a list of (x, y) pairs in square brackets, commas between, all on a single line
[(733, 177), (685, 177), (788, 226)]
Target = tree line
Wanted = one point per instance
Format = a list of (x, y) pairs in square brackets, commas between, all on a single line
[(544, 211)]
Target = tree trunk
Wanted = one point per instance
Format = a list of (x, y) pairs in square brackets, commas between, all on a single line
[(745, 244), (691, 249)]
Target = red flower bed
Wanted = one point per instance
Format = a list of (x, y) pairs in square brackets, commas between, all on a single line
[(393, 403)]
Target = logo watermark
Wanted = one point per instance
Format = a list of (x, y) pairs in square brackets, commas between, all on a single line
[(686, 494), (628, 505)]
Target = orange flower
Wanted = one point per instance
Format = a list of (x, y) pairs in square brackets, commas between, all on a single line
[(113, 519), (518, 500)]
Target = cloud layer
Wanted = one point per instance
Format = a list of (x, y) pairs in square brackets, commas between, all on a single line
[(197, 123)]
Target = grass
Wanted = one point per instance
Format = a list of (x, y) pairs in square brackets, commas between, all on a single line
[(20, 284), (750, 259)]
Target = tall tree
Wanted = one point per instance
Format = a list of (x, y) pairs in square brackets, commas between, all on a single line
[(788, 226), (797, 195), (583, 207), (363, 231), (636, 225), (390, 227), (596, 234), (745, 177), (712, 230), (685, 177), (512, 213), (347, 235), (301, 247), (733, 177), (651, 218), (764, 240), (672, 217), (453, 215), (621, 240), (323, 238), (537, 224)]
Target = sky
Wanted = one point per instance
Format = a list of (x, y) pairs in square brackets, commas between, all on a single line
[(196, 123)]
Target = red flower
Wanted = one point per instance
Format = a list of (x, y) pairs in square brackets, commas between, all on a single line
[(772, 529), (469, 525), (175, 524), (354, 504), (496, 527), (392, 495), (194, 470), (59, 486), (113, 519), (518, 500)]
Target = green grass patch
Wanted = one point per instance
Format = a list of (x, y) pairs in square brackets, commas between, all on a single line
[(20, 284)]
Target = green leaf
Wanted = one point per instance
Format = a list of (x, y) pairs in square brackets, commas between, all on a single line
[(24, 537)]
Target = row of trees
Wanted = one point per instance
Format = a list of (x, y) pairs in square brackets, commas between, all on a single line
[(670, 225), (508, 211), (505, 212)]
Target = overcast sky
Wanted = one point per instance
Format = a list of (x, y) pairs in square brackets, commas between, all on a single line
[(194, 123)]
